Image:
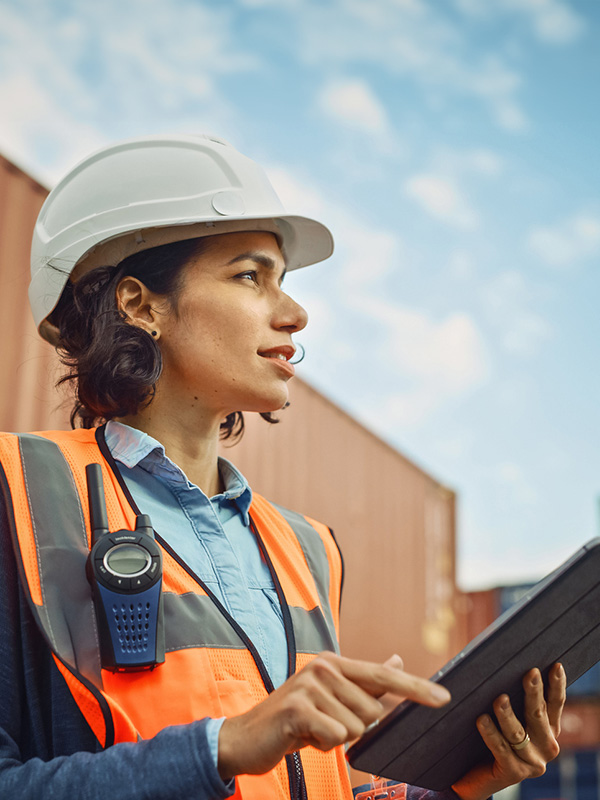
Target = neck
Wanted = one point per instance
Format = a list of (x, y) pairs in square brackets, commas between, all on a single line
[(191, 441)]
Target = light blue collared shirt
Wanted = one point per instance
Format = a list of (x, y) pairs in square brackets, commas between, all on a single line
[(213, 537)]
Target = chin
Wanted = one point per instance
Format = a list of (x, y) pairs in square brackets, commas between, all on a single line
[(273, 403)]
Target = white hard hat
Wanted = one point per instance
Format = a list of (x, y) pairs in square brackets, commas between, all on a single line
[(150, 191)]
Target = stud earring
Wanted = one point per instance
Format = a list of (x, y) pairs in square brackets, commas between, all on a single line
[(154, 333)]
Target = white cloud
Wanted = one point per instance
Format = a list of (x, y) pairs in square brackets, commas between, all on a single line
[(366, 253), (442, 198), (510, 116), (553, 22), (32, 122), (568, 242), (526, 334), (353, 102), (415, 39), (296, 195), (497, 84), (480, 162), (486, 162), (265, 3), (507, 299), (88, 73), (437, 360), (450, 350), (461, 266)]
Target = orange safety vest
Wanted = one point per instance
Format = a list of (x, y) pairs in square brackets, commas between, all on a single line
[(211, 668)]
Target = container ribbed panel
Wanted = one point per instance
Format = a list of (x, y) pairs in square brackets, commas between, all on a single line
[(28, 365)]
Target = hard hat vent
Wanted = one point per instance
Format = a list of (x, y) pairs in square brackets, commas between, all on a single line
[(229, 204)]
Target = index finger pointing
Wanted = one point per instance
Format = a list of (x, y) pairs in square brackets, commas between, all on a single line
[(378, 679)]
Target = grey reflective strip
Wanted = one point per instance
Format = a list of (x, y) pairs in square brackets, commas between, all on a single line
[(67, 615), (316, 558), (193, 620), (311, 631)]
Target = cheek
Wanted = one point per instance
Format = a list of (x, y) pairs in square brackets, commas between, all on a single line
[(214, 334), (213, 349)]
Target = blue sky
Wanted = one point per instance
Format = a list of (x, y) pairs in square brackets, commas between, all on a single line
[(452, 147)]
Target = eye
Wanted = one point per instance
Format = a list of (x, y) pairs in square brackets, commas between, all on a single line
[(250, 275)]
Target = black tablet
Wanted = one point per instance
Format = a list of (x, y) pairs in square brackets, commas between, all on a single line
[(557, 620)]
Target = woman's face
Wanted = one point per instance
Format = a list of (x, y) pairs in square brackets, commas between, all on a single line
[(226, 345)]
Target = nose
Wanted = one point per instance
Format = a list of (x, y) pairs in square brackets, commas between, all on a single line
[(289, 315)]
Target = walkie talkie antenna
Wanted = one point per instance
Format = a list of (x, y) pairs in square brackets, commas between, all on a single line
[(95, 485)]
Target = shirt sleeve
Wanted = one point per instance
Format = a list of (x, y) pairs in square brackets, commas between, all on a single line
[(35, 706)]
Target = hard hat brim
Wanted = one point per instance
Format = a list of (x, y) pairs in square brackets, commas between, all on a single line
[(303, 241)]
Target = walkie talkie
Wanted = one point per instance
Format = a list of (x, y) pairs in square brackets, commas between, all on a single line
[(125, 571)]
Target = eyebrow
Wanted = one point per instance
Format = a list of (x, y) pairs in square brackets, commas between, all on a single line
[(258, 258)]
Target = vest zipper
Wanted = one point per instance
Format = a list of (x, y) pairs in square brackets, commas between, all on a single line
[(293, 762), (301, 783)]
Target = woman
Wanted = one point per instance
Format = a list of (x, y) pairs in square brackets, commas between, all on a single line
[(157, 269)]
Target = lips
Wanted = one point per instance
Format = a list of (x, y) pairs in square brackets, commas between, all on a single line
[(280, 356), (282, 353)]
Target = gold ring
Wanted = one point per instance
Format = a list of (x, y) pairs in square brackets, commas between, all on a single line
[(522, 744)]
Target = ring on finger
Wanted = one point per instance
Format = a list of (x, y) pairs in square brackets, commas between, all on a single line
[(523, 743)]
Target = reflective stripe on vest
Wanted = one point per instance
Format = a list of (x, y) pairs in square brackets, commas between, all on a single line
[(208, 670)]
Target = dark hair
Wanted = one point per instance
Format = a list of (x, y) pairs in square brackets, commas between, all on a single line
[(113, 365)]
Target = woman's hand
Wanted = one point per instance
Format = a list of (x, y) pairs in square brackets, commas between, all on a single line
[(520, 750), (329, 702)]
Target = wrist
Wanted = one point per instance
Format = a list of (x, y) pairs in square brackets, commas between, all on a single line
[(226, 750)]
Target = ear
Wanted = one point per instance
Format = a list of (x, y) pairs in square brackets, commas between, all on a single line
[(138, 303)]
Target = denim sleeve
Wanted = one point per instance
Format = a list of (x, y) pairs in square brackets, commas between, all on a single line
[(175, 763), (46, 748)]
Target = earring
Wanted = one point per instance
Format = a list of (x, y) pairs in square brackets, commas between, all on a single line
[(154, 333)]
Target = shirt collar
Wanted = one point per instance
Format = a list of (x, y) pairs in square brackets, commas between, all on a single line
[(134, 448)]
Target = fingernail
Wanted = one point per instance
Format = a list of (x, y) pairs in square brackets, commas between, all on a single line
[(440, 694), (560, 670), (504, 705), (484, 721), (395, 661), (534, 680)]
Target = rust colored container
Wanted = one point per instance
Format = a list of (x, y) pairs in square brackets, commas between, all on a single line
[(28, 366), (581, 725)]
